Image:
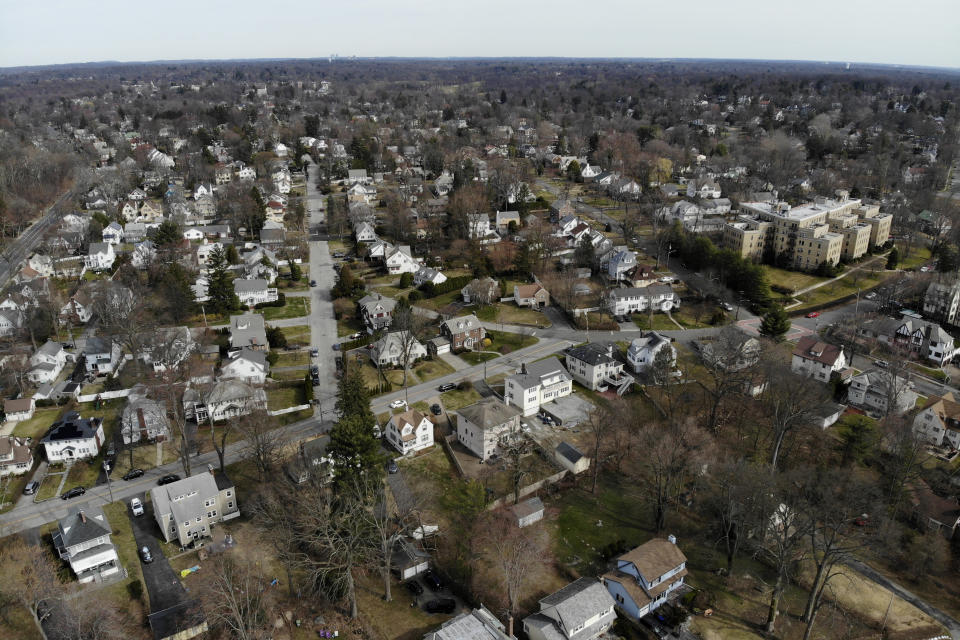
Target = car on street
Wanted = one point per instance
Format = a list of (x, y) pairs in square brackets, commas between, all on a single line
[(396, 404), (666, 279), (870, 296), (338, 254), (392, 467), (448, 386), (314, 370), (883, 364), (924, 269), (726, 306), (432, 580), (31, 488), (136, 506), (435, 409), (73, 493), (414, 587), (313, 283), (813, 314), (145, 555), (167, 479), (525, 427), (314, 352), (133, 473), (441, 605), (336, 346)]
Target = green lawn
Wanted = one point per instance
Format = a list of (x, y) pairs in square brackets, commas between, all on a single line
[(509, 313), (295, 308), (37, 426), (660, 322), (83, 473), (838, 289), (48, 487), (289, 374), (506, 342), (286, 397), (126, 544), (453, 400), (297, 334), (348, 324), (919, 256), (441, 302), (793, 280), (144, 457), (429, 369), (293, 359), (477, 358)]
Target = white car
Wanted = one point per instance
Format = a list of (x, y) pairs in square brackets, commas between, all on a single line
[(136, 506), (727, 306), (376, 431), (396, 404), (525, 427), (666, 279)]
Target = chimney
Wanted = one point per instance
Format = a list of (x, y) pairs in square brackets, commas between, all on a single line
[(83, 517), (672, 539), (610, 350), (510, 626), (210, 468)]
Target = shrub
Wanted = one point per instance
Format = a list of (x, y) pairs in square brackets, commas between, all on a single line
[(414, 296), (779, 288), (272, 358), (135, 589), (465, 385), (276, 338), (406, 280), (112, 384)]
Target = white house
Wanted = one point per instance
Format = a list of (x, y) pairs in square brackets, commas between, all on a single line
[(143, 418), (704, 188), (882, 392), (478, 228), (643, 351), (73, 438), (645, 577), (590, 171), (582, 610), (571, 458), (47, 363), (19, 409), (816, 358), (82, 539), (536, 384), (627, 300), (620, 263), (409, 432), (482, 425), (428, 274), (188, 509), (10, 321), (399, 261), (532, 295), (16, 457), (246, 365), (254, 291), (939, 421), (101, 355), (365, 232), (143, 254), (388, 351), (227, 399), (593, 365), (112, 233), (100, 256)]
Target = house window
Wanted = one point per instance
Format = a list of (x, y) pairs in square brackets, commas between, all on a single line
[(229, 505)]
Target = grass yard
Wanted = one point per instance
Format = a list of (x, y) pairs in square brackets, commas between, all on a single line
[(293, 359), (344, 246), (475, 358), (457, 399), (506, 342), (348, 324), (840, 288), (395, 620), (126, 544), (793, 280), (919, 256), (286, 397), (289, 374), (936, 374), (509, 313), (297, 334), (144, 457), (660, 322), (440, 302), (295, 308), (48, 487), (83, 473), (429, 369), (18, 623), (37, 426)]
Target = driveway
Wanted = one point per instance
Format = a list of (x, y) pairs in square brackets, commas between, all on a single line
[(163, 585)]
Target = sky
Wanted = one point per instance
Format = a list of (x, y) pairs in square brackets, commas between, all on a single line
[(908, 32)]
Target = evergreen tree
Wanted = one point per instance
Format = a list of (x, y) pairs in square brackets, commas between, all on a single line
[(220, 283), (168, 234), (775, 324), (233, 257), (177, 289), (352, 444), (893, 258), (584, 253)]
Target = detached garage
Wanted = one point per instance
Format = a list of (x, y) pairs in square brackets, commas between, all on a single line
[(571, 459), (409, 561), (438, 346)]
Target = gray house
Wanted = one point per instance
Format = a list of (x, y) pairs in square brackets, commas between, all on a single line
[(582, 610)]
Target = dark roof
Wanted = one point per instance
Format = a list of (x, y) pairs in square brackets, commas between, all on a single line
[(569, 452), (223, 482), (75, 529), (72, 427), (592, 353)]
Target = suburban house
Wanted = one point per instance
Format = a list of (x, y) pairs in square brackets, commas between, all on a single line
[(394, 347), (399, 260), (942, 301), (626, 300), (112, 233), (536, 384), (734, 353), (503, 219), (813, 357), (407, 559), (255, 291), (478, 228), (482, 425), (642, 352), (100, 256), (16, 457), (79, 308), (409, 432), (593, 365), (143, 254), (645, 577), (582, 610), (376, 311), (365, 232), (246, 365), (166, 347), (312, 460), (187, 509), (101, 355), (464, 332), (73, 438), (934, 513), (10, 321), (571, 458), (481, 290), (227, 399), (920, 338), (82, 539), (19, 409), (939, 421), (531, 295), (143, 419), (478, 624), (703, 189), (528, 512), (620, 264), (428, 274), (876, 390), (248, 330)]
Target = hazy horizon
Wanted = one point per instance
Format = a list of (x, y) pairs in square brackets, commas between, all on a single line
[(816, 31)]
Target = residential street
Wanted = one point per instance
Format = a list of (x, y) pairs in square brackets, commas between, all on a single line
[(20, 249)]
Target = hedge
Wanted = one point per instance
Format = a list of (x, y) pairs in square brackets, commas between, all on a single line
[(362, 341), (431, 290), (281, 301)]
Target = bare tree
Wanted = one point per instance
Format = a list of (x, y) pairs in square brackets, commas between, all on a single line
[(601, 425), (235, 597), (90, 619), (732, 362), (31, 577), (389, 520), (790, 402), (409, 328), (734, 503), (907, 453), (275, 515), (264, 441)]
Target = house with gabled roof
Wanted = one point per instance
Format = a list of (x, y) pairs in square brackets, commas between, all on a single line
[(938, 422), (818, 359), (16, 456), (532, 295), (376, 311), (47, 363), (536, 384), (248, 330), (409, 432), (482, 425), (643, 579), (73, 438), (594, 366), (478, 624), (247, 365), (82, 539), (582, 610), (642, 352), (188, 509), (464, 332)]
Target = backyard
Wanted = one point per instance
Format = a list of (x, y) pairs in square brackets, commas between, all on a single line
[(297, 334), (509, 313), (295, 307)]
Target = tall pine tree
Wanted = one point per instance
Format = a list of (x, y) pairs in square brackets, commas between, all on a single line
[(220, 283), (354, 449)]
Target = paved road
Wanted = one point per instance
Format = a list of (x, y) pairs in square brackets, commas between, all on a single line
[(323, 324), (20, 249)]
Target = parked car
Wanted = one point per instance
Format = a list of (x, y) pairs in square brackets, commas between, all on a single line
[(447, 386), (883, 364), (376, 431), (314, 370), (313, 283), (314, 352), (355, 336), (396, 404), (432, 580), (414, 587), (441, 605), (336, 346), (727, 306), (136, 506), (31, 488), (167, 479), (525, 427), (73, 493), (392, 467), (133, 473), (435, 409), (666, 279), (871, 295), (813, 314), (145, 555)]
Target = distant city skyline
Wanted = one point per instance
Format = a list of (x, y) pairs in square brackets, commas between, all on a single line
[(919, 33)]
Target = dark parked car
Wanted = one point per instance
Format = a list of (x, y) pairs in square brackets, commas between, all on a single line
[(313, 283), (145, 555), (441, 605), (392, 467), (432, 580), (436, 410), (31, 488), (73, 493), (449, 386), (133, 473), (167, 479), (414, 587)]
